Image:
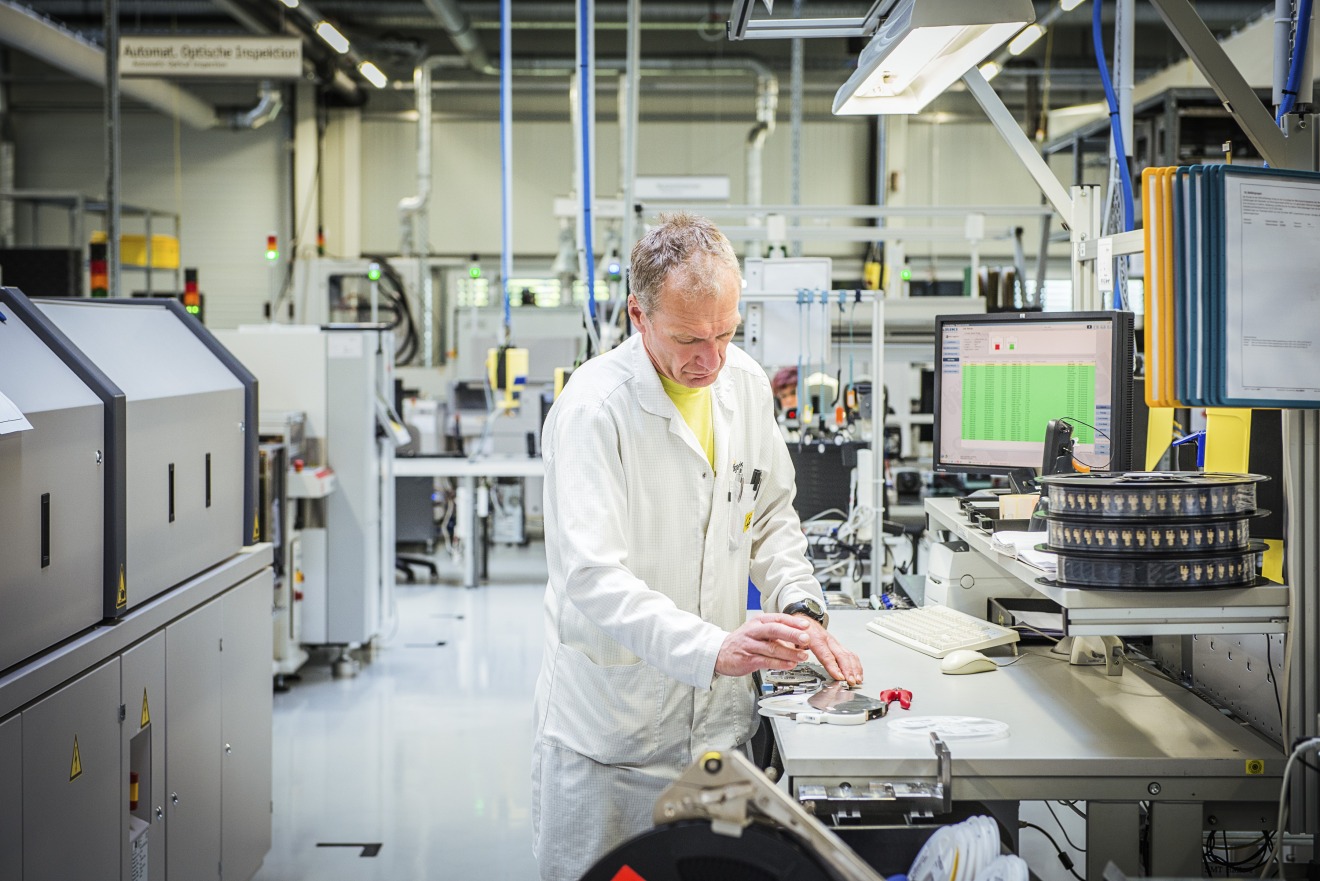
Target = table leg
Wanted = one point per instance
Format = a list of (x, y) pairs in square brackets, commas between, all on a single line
[(1113, 834)]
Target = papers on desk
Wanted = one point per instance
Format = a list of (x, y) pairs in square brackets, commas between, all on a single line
[(1022, 546), (1232, 299)]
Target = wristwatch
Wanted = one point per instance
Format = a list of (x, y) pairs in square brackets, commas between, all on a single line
[(810, 608)]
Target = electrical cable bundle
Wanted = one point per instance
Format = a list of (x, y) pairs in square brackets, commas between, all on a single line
[(394, 299), (1153, 530)]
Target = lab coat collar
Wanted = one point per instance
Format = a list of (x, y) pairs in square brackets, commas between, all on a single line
[(651, 394)]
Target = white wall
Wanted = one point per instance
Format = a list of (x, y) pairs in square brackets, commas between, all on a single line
[(465, 215), (230, 188)]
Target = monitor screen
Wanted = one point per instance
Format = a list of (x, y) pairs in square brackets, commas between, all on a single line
[(1001, 378)]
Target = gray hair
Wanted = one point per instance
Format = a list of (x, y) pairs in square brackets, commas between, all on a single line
[(687, 246)]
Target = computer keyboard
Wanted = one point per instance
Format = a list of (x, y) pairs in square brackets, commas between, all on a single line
[(938, 630)]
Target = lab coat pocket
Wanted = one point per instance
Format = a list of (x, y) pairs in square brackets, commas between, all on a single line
[(741, 513), (610, 714), (732, 718)]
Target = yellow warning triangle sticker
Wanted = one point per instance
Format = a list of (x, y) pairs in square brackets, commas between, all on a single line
[(146, 714), (256, 527), (121, 599), (75, 770)]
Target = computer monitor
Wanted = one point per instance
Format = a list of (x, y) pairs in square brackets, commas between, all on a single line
[(1000, 379)]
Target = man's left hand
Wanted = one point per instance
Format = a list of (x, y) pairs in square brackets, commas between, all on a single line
[(837, 660)]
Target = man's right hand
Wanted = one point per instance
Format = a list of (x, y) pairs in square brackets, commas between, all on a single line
[(767, 642)]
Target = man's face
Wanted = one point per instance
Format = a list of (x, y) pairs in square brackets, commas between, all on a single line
[(687, 340)]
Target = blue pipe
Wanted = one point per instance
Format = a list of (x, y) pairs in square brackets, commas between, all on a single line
[(506, 157), (1115, 128), (1298, 60), (586, 95)]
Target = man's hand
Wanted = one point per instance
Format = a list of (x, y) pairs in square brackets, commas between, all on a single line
[(767, 642), (837, 660)]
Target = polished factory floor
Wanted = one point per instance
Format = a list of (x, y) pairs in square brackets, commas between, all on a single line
[(417, 768), (427, 751)]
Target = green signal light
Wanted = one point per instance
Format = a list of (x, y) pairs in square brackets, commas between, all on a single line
[(906, 275), (373, 272), (272, 254), (474, 271)]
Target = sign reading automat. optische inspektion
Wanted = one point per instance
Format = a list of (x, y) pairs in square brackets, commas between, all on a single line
[(241, 57)]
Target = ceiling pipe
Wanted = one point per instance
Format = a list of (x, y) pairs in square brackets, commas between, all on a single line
[(270, 100), (459, 29), (63, 49)]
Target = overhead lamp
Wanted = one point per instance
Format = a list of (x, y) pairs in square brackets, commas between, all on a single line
[(1070, 5), (990, 70), (335, 40), (373, 75), (1023, 41), (292, 4), (923, 47)]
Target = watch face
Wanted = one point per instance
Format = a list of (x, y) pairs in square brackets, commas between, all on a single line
[(813, 608)]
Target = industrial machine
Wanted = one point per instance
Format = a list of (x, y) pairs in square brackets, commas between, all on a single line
[(187, 407), (111, 509), (342, 378)]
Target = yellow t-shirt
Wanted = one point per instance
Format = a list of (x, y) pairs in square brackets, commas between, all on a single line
[(694, 406)]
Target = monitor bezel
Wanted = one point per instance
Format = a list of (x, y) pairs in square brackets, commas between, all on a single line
[(1122, 344)]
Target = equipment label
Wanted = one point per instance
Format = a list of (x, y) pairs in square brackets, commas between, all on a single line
[(121, 599), (146, 713), (1255, 766)]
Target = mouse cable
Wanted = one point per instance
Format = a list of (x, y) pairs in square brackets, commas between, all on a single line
[(1064, 858)]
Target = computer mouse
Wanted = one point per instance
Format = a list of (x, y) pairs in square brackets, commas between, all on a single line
[(966, 661)]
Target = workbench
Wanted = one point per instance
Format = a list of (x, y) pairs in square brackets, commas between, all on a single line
[(1074, 733), (467, 471)]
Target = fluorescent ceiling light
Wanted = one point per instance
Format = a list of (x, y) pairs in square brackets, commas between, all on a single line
[(1070, 5), (925, 46), (292, 4), (990, 70), (337, 41), (373, 75), (1023, 41)]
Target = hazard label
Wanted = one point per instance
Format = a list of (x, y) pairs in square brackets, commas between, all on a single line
[(627, 874), (146, 713), (75, 768), (256, 527), (1255, 766), (121, 599)]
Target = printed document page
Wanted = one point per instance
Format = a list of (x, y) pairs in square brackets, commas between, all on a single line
[(1272, 297)]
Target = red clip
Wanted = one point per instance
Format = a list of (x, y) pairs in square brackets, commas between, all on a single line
[(902, 695)]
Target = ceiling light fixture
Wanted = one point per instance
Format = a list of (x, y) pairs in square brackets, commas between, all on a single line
[(373, 75), (1023, 41), (292, 4), (1070, 5), (335, 40), (925, 46), (990, 70)]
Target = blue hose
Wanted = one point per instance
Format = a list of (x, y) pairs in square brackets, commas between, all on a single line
[(585, 89), (1115, 127), (506, 158), (1298, 60)]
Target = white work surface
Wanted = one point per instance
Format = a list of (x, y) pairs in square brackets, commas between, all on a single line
[(468, 470), (1074, 733), (1261, 609), (461, 466)]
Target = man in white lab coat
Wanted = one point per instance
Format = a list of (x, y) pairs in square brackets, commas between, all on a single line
[(667, 485)]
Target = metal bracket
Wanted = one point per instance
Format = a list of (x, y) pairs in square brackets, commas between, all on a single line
[(911, 798), (742, 27), (1239, 98), (729, 791)]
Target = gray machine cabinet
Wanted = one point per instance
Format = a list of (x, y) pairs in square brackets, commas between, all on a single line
[(72, 794), (187, 454), (53, 480), (142, 746), (246, 780), (193, 749), (11, 798)]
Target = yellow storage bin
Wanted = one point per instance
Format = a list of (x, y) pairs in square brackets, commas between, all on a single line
[(133, 250)]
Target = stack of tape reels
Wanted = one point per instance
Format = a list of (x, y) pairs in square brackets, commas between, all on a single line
[(1172, 530)]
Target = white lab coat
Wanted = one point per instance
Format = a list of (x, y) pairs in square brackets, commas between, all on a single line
[(649, 552)]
